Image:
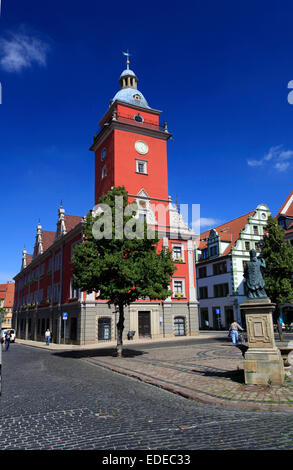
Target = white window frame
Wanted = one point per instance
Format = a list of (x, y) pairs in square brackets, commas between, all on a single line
[(178, 279), (139, 161), (74, 291), (181, 246)]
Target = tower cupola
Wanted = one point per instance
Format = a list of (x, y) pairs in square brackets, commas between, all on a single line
[(128, 88)]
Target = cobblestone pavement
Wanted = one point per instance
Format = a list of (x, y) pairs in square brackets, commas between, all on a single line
[(210, 373), (54, 400)]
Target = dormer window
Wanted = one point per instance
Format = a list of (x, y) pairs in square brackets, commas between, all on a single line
[(136, 97)]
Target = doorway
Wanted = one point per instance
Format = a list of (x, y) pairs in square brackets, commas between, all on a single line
[(104, 329), (179, 326), (144, 324), (229, 316)]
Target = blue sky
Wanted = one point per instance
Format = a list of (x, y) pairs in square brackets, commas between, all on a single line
[(219, 71)]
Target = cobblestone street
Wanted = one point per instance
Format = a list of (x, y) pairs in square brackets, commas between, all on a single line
[(210, 373), (54, 400)]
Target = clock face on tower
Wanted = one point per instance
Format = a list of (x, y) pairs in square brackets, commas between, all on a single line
[(141, 147)]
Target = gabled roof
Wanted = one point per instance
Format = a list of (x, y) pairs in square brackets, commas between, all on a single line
[(287, 207), (29, 259), (71, 221), (228, 232), (7, 294), (8, 301), (47, 239)]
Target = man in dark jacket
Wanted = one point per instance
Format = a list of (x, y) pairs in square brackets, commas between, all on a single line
[(7, 340)]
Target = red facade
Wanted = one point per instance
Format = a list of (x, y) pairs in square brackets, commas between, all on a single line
[(130, 150)]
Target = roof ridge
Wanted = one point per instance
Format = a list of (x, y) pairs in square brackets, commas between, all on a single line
[(229, 221), (284, 204)]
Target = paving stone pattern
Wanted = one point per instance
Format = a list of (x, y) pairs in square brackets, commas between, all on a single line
[(58, 400), (210, 373)]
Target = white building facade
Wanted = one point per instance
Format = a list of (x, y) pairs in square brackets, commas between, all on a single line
[(221, 257)]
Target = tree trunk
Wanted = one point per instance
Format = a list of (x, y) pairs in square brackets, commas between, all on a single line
[(120, 328)]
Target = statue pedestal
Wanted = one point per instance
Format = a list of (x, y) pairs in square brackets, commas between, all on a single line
[(263, 363)]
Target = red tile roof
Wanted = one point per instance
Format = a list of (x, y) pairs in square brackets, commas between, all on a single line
[(29, 259), (8, 301), (47, 239), (7, 293), (71, 221), (2, 291), (228, 232)]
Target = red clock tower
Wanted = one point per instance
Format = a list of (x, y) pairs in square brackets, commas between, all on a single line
[(131, 147), (131, 151)]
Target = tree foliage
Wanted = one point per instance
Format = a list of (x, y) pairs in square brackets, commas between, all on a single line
[(124, 265), (278, 274), (278, 255)]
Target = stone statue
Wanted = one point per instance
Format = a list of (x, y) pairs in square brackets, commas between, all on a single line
[(254, 280)]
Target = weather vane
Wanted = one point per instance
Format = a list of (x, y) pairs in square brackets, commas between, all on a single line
[(127, 54)]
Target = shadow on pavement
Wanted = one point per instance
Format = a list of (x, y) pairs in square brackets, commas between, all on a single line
[(107, 352), (234, 375)]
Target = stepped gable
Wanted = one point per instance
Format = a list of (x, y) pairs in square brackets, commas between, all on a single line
[(228, 232)]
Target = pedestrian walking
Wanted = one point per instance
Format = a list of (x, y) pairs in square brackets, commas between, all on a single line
[(47, 336), (7, 340), (234, 328)]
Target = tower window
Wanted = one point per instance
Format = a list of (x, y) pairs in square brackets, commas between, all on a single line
[(104, 172), (141, 167)]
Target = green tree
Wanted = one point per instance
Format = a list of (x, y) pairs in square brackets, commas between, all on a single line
[(119, 260), (278, 274), (2, 313)]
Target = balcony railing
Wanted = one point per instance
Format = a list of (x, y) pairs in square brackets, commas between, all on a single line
[(127, 119)]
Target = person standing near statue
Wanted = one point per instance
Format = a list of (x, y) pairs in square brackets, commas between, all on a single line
[(234, 328), (253, 276)]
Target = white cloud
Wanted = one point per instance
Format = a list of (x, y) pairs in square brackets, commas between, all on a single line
[(205, 222), (281, 159), (282, 166), (255, 162), (20, 51)]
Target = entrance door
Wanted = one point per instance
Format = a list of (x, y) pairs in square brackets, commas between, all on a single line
[(229, 316), (104, 329), (144, 324), (179, 326)]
